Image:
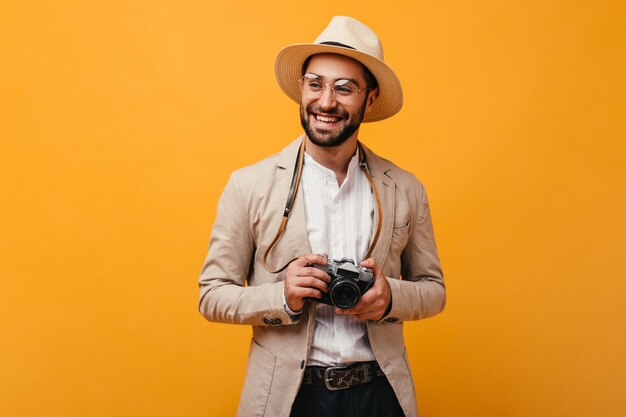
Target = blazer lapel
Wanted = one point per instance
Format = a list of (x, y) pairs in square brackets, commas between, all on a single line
[(386, 188), (296, 232), (296, 227)]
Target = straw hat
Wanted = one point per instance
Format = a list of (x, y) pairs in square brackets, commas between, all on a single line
[(345, 36)]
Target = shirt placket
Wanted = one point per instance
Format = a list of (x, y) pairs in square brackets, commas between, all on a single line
[(338, 244)]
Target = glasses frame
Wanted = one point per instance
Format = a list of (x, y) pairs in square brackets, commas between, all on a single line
[(310, 75)]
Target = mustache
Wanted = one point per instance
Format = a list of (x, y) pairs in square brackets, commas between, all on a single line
[(330, 112)]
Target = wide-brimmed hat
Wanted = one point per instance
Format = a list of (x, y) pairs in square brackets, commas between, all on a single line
[(344, 36)]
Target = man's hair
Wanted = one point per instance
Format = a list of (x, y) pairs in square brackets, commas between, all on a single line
[(370, 80)]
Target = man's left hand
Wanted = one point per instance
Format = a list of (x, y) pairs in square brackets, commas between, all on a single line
[(374, 302)]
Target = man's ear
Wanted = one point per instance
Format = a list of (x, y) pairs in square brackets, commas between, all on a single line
[(372, 96)]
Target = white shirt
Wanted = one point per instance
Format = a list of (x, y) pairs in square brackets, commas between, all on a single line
[(339, 222)]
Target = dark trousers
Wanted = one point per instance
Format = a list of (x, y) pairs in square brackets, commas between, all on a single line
[(374, 399)]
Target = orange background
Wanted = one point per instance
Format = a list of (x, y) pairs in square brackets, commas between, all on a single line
[(120, 122)]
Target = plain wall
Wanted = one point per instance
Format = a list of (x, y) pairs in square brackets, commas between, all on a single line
[(120, 122)]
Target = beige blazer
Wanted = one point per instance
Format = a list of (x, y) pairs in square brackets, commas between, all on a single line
[(235, 288)]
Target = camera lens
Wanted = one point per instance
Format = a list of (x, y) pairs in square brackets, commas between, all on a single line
[(345, 294)]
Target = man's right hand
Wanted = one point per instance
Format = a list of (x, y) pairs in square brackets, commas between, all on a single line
[(303, 281)]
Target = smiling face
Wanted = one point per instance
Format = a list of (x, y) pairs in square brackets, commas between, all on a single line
[(329, 122)]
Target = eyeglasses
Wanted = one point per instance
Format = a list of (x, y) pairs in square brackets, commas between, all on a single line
[(344, 90)]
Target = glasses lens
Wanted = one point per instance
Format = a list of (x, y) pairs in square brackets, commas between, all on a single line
[(345, 88), (312, 85)]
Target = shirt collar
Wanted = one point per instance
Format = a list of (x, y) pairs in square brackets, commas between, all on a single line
[(323, 172)]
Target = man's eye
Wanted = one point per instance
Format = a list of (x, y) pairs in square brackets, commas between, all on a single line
[(344, 89)]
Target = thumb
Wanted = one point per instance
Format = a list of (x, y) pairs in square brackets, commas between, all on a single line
[(369, 263)]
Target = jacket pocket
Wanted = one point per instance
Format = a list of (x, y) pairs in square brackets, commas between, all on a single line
[(258, 381), (400, 238), (402, 230)]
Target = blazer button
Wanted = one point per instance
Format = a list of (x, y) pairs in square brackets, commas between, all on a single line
[(276, 322), (391, 320), (302, 364), (267, 321)]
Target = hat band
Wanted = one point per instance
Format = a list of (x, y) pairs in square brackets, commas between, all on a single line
[(337, 44)]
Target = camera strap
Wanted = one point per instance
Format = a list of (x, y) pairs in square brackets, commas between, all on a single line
[(291, 196)]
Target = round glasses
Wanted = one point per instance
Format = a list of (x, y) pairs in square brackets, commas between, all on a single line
[(343, 90)]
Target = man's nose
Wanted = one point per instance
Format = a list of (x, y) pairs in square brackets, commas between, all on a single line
[(327, 99)]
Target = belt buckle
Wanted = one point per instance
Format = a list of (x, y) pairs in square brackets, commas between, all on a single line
[(328, 377)]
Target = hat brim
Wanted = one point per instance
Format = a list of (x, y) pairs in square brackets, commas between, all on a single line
[(288, 68)]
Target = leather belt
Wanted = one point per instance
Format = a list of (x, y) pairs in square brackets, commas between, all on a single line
[(336, 378)]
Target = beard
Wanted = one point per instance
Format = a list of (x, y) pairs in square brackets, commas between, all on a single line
[(324, 138)]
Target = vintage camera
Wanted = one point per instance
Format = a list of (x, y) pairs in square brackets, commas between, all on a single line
[(347, 283)]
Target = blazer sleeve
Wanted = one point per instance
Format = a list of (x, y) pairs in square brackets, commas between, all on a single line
[(421, 291), (224, 296)]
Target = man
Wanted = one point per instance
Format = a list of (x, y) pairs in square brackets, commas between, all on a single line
[(325, 197)]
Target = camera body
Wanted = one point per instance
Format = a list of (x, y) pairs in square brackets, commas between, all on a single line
[(347, 283)]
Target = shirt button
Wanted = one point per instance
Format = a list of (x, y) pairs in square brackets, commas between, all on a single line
[(339, 328)]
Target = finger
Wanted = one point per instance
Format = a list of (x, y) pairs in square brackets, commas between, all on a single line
[(353, 311), (371, 264), (295, 282), (311, 258), (306, 292), (370, 297), (370, 312), (310, 271), (296, 301), (363, 308), (305, 270), (310, 282), (369, 316)]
